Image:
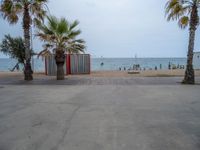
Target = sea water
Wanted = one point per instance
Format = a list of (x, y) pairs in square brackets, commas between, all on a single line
[(7, 64), (127, 63)]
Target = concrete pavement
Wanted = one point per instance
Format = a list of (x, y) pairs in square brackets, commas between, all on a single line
[(100, 116)]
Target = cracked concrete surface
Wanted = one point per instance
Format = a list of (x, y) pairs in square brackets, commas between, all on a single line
[(100, 117)]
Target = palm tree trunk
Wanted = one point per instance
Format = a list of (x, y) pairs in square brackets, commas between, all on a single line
[(60, 60), (26, 26), (189, 72)]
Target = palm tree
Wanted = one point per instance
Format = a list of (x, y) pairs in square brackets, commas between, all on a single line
[(59, 36), (32, 11), (186, 12), (13, 47)]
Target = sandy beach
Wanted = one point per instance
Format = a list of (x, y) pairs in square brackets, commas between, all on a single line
[(150, 77), (147, 73)]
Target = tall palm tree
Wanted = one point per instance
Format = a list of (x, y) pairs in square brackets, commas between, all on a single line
[(186, 12), (32, 11), (59, 36)]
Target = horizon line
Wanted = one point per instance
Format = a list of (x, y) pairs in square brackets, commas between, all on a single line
[(116, 57)]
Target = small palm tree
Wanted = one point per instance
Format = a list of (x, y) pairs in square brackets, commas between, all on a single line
[(186, 12), (59, 36), (13, 47), (32, 11)]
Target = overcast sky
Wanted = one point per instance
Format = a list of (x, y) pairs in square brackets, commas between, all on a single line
[(119, 28)]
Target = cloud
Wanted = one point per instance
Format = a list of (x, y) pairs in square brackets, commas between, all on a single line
[(121, 28)]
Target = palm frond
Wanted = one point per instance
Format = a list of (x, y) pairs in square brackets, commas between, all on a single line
[(185, 11), (74, 25), (76, 46), (62, 26), (176, 9), (13, 47), (10, 10), (61, 34), (44, 53), (52, 23), (183, 22), (74, 34)]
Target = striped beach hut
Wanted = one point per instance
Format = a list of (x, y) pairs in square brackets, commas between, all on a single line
[(74, 64)]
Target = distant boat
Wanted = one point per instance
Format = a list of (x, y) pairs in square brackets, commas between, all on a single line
[(135, 58), (102, 64)]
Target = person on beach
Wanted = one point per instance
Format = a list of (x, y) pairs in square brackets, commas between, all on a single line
[(169, 66)]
